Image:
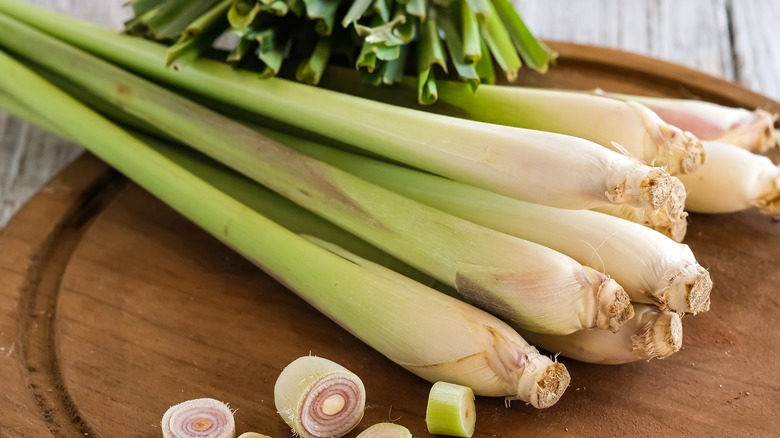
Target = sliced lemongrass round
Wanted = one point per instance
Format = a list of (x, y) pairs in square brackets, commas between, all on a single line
[(451, 410), (199, 418), (386, 430), (253, 435), (317, 397)]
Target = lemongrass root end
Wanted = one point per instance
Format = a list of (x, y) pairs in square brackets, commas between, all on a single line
[(615, 306), (551, 378), (659, 338), (644, 187)]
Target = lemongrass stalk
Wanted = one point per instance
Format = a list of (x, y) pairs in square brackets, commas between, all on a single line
[(751, 130), (385, 430), (531, 165), (428, 333), (450, 410), (531, 285), (203, 417), (734, 179), (651, 267), (670, 220), (613, 123), (650, 334), (317, 397)]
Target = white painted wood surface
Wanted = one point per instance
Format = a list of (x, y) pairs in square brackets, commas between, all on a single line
[(733, 39)]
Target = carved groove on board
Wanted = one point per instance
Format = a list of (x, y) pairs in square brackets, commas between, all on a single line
[(38, 310)]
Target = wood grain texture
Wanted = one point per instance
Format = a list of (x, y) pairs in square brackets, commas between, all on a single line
[(119, 308)]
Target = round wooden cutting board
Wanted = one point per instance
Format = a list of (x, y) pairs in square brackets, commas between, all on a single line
[(113, 308)]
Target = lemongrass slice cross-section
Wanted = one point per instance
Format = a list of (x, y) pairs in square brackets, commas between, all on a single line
[(451, 410), (317, 397), (199, 418), (386, 430)]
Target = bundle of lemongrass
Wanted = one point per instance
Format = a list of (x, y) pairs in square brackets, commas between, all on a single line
[(377, 36), (492, 211)]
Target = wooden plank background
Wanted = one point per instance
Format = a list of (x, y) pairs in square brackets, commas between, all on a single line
[(726, 38)]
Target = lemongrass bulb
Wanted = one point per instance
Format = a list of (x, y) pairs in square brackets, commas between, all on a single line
[(751, 130), (317, 397), (386, 430), (451, 410), (733, 179), (651, 333), (199, 418)]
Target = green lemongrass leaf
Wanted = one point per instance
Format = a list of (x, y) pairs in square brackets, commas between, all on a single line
[(139, 24), (382, 8), (367, 60), (384, 33), (484, 66), (277, 7), (429, 53), (500, 44), (355, 11), (472, 42), (417, 8), (175, 15), (430, 49), (385, 52), (214, 17), (535, 53), (243, 12), (297, 7), (323, 12), (374, 76), (406, 31), (481, 8), (246, 44), (394, 69), (198, 36), (310, 69), (140, 7), (427, 92), (453, 38), (273, 44), (370, 54)]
